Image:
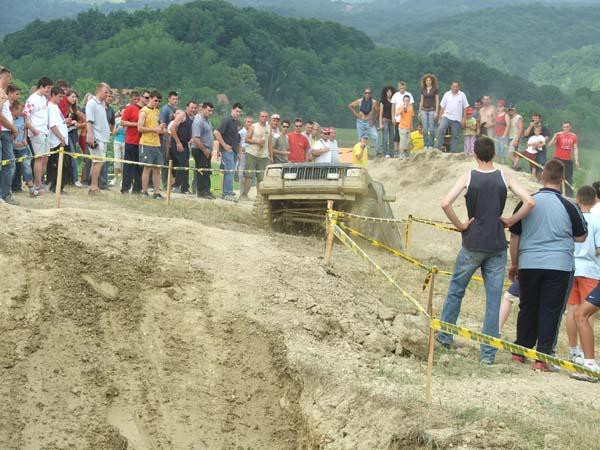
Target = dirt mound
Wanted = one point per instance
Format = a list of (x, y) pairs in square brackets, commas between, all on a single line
[(126, 324)]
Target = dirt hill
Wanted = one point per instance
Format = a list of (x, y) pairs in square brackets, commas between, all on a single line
[(127, 324)]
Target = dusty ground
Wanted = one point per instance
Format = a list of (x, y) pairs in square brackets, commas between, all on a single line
[(127, 324)]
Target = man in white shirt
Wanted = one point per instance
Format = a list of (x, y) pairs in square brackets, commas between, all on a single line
[(58, 136), (325, 150), (7, 131), (452, 113), (36, 110), (396, 102)]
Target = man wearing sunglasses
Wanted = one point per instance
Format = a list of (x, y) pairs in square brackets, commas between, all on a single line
[(366, 115), (298, 145), (132, 174)]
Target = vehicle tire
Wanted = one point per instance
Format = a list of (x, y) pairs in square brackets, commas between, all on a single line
[(262, 212)]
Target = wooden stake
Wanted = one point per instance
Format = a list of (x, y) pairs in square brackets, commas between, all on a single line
[(407, 232), (431, 338), (59, 176), (330, 222), (169, 181)]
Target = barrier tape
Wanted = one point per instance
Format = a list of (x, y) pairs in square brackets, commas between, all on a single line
[(433, 223), (348, 242), (158, 166), (539, 166), (407, 258), (366, 218), (501, 344), (20, 159)]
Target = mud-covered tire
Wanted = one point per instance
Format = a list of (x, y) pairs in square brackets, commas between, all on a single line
[(262, 213)]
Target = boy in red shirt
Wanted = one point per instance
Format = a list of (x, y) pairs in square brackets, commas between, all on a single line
[(566, 152)]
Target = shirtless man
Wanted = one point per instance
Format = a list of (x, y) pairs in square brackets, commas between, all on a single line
[(487, 117)]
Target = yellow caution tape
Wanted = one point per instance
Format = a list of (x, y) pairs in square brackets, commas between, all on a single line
[(501, 344), (406, 257), (348, 242), (20, 159), (433, 223), (367, 219), (159, 166)]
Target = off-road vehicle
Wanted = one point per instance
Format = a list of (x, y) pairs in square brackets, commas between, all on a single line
[(296, 194)]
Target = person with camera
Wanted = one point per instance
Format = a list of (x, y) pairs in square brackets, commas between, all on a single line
[(98, 132)]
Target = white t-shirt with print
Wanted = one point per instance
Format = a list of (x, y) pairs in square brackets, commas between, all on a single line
[(36, 109), (56, 119)]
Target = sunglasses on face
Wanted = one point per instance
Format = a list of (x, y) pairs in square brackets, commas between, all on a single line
[(147, 97), (285, 126), (367, 93)]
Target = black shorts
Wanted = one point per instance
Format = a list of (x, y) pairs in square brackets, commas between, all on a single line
[(594, 297)]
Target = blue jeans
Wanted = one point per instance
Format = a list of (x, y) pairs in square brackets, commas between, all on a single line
[(388, 138), (455, 128), (74, 161), (7, 171), (228, 159), (26, 171), (493, 266), (501, 147), (428, 121), (364, 128)]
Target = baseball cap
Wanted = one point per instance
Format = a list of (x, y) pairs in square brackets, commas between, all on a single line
[(512, 106), (469, 110), (365, 137), (275, 116), (501, 102), (326, 131)]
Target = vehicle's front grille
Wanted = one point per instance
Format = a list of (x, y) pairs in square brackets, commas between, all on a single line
[(314, 172)]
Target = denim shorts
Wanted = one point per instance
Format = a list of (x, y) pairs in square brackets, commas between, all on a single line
[(594, 297), (151, 155)]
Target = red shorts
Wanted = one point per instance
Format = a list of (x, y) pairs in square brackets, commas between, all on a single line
[(582, 287)]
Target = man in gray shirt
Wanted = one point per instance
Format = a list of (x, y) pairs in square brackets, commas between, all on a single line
[(202, 144), (98, 131), (542, 249)]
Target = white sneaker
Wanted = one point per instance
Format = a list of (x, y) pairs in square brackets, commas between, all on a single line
[(78, 184), (576, 359)]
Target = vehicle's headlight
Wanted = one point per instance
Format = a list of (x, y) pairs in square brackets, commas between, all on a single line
[(353, 172), (290, 176), (333, 176), (276, 172)]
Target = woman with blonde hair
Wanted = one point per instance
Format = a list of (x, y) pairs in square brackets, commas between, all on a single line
[(429, 108)]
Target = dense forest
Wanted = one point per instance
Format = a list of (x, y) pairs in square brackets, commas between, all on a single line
[(516, 38), (298, 66), (571, 70)]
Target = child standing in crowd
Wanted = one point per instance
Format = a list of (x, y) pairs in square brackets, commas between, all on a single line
[(404, 117), (360, 152), (587, 269), (470, 133), (534, 144), (22, 149)]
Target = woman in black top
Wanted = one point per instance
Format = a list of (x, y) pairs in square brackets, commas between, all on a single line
[(385, 121), (429, 108)]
